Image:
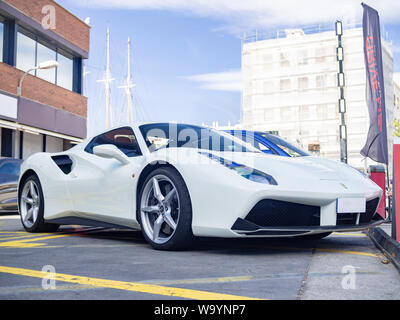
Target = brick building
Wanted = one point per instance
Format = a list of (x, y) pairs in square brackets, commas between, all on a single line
[(50, 113)]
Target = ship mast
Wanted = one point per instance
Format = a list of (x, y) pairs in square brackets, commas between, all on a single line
[(128, 86), (107, 82)]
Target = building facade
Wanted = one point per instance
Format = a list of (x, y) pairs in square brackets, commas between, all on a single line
[(50, 112), (291, 86)]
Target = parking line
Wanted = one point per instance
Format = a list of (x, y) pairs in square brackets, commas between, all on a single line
[(12, 232), (360, 253), (128, 286), (27, 243), (29, 235)]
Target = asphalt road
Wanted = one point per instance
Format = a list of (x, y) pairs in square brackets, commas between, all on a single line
[(97, 263)]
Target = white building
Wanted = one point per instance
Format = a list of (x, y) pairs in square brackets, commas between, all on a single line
[(290, 86)]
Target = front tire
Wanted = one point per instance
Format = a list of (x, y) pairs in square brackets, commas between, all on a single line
[(31, 206), (165, 210)]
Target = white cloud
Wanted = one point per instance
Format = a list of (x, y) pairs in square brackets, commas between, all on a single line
[(240, 15), (221, 81)]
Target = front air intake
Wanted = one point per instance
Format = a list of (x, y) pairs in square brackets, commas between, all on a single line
[(275, 213)]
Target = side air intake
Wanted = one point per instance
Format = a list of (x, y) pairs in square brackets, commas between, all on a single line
[(63, 162)]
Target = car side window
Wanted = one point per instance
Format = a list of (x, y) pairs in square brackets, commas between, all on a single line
[(123, 138)]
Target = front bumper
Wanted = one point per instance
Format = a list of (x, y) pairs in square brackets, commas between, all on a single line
[(280, 218)]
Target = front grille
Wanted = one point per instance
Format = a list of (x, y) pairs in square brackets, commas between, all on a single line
[(365, 217), (275, 213), (346, 219)]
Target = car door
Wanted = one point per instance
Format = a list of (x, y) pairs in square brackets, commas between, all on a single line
[(105, 187)]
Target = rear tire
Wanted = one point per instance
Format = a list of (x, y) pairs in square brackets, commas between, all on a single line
[(31, 206), (165, 210)]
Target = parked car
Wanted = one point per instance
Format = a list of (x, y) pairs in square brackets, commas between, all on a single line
[(268, 143), (9, 174), (179, 181)]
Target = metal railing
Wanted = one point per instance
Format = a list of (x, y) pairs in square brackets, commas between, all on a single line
[(258, 35)]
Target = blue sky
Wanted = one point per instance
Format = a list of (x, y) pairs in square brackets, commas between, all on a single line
[(187, 53)]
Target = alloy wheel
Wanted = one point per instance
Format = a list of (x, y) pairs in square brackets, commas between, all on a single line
[(29, 203), (160, 209)]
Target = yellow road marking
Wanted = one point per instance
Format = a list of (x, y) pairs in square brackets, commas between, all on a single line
[(129, 286), (360, 253), (12, 232), (30, 235), (27, 243)]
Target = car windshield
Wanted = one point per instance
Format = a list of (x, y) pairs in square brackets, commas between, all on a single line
[(289, 148), (172, 135)]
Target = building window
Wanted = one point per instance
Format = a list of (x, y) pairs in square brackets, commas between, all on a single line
[(284, 59), (26, 52), (31, 52), (321, 81), (44, 54), (303, 83), (1, 40), (64, 72), (302, 57), (322, 112), (320, 54)]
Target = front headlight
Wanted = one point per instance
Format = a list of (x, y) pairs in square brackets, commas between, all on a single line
[(243, 170)]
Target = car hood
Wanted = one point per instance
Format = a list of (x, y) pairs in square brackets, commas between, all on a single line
[(301, 167), (305, 174)]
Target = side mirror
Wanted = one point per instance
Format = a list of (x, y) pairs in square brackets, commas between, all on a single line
[(109, 151)]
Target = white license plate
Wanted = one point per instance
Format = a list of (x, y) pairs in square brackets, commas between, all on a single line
[(350, 205)]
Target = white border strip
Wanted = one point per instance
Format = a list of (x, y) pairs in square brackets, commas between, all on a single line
[(21, 127)]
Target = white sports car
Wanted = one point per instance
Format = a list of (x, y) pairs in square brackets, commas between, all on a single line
[(176, 182)]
